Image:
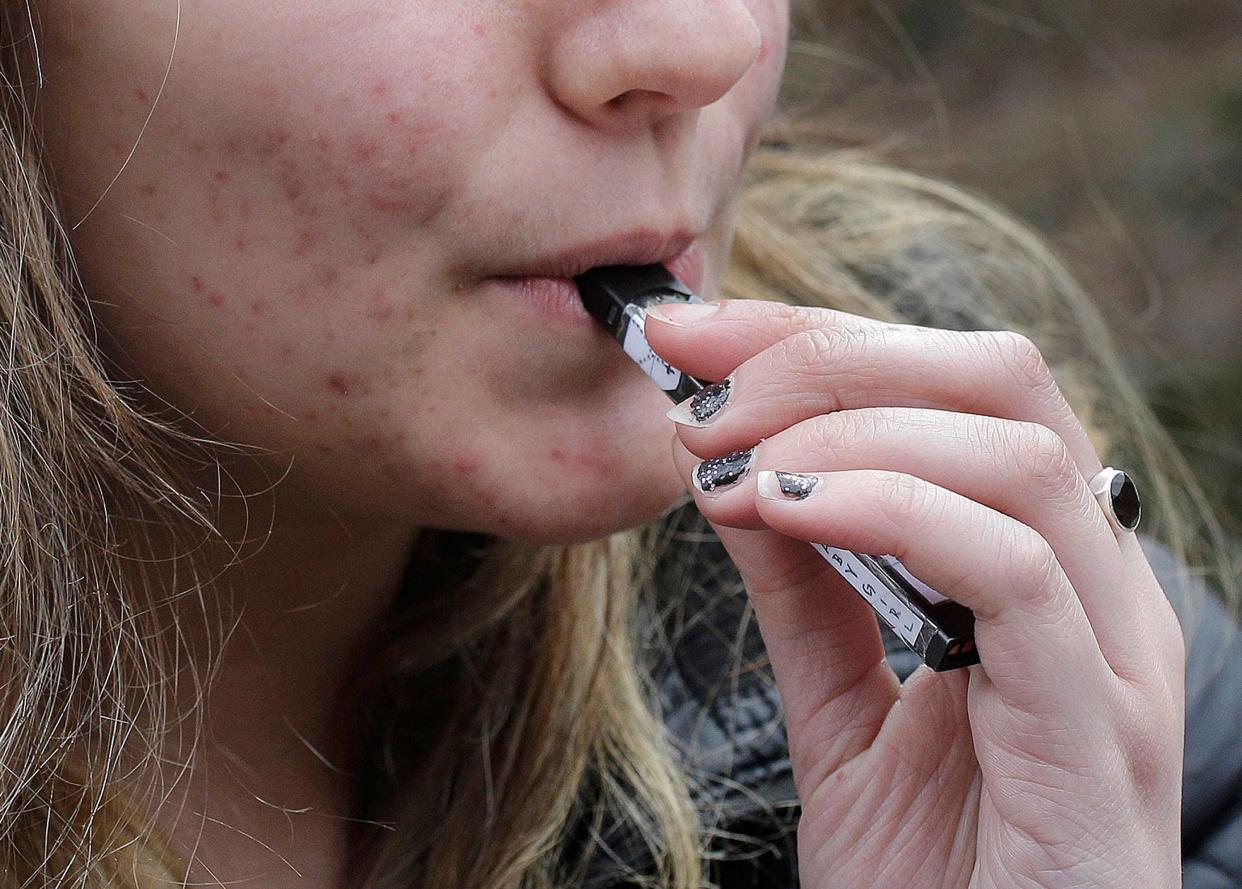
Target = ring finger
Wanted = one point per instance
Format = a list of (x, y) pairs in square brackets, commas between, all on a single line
[(1020, 469)]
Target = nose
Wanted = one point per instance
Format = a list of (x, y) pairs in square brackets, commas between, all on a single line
[(632, 63)]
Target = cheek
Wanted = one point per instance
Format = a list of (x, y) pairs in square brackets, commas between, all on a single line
[(313, 215), (272, 257)]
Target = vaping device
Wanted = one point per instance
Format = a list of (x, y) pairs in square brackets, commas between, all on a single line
[(939, 630)]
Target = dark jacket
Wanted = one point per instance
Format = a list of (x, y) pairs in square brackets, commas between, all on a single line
[(723, 707)]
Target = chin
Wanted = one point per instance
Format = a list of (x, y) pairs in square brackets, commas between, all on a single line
[(568, 520)]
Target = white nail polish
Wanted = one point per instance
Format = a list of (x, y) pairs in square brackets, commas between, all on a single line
[(778, 485), (701, 408)]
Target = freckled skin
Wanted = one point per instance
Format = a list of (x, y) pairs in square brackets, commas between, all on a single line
[(322, 188)]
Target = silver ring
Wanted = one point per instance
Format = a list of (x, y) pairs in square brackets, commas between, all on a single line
[(1118, 496)]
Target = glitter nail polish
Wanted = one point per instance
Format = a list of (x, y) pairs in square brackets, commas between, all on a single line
[(795, 485), (720, 472), (706, 403)]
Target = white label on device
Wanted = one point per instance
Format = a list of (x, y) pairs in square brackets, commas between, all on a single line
[(896, 613), (635, 344), (929, 594)]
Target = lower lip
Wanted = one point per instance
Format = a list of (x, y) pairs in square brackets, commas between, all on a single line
[(558, 297)]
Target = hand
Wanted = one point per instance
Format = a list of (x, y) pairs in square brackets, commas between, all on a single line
[(1056, 761)]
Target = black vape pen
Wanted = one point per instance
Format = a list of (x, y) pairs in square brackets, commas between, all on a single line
[(939, 630)]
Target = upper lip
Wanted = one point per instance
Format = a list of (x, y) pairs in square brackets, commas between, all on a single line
[(639, 246)]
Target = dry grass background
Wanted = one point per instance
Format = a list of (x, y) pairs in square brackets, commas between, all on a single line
[(1114, 126)]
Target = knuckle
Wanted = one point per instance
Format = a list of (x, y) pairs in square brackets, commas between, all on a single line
[(906, 499), (1044, 461), (808, 352), (791, 316), (1035, 561), (821, 351), (1024, 360), (840, 430)]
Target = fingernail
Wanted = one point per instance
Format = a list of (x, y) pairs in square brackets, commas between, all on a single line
[(706, 403), (773, 484), (681, 314), (722, 472)]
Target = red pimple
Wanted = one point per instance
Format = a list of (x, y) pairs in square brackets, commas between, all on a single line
[(394, 117), (258, 306), (216, 298), (379, 90), (365, 151), (290, 182), (423, 134), (141, 94), (467, 463), (272, 141), (372, 258), (479, 29), (380, 309), (196, 147), (338, 384), (222, 176), (148, 189), (310, 415), (197, 283), (387, 204), (329, 275), (306, 242), (240, 245)]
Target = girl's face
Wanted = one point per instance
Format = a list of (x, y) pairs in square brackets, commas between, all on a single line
[(304, 207)]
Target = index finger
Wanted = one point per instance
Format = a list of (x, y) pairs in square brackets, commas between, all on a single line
[(711, 346), (998, 373)]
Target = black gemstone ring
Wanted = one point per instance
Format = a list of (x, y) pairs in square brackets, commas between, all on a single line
[(1118, 497)]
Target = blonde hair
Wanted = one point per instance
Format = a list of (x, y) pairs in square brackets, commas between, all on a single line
[(517, 684)]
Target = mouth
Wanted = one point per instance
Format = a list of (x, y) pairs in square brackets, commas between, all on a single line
[(547, 283), (640, 246)]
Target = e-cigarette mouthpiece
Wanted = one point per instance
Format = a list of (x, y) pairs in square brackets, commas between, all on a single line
[(939, 630)]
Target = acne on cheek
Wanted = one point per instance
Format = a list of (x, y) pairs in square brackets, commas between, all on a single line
[(382, 169), (388, 161)]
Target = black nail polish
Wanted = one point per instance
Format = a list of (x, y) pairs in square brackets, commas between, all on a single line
[(710, 399), (796, 486), (721, 471)]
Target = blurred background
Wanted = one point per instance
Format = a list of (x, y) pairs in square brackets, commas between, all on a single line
[(1114, 127)]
